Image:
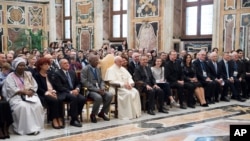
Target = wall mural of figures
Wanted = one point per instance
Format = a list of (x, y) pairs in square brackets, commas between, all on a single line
[(35, 16), (147, 8), (18, 38), (85, 12), (245, 3), (30, 38), (244, 23), (15, 15), (229, 4), (229, 32), (85, 38), (147, 35)]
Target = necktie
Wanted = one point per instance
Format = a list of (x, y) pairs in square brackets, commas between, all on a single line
[(202, 66), (235, 66), (69, 80), (146, 73), (226, 64), (215, 67)]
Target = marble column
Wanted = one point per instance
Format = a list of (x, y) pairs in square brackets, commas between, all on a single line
[(168, 28), (98, 28), (52, 21), (216, 25)]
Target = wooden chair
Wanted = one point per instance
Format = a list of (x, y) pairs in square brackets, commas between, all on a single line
[(90, 101), (116, 86)]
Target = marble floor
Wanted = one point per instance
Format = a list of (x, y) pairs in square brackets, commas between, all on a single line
[(199, 124)]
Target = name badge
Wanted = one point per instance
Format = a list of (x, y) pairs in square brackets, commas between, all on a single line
[(235, 73), (97, 86), (204, 74)]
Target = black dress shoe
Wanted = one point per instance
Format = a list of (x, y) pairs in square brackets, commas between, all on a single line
[(204, 105), (75, 123), (103, 116), (151, 112), (93, 119), (183, 107), (191, 106), (163, 111), (241, 99), (62, 126), (225, 99)]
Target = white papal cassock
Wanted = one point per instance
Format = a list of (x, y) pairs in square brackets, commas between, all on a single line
[(129, 103)]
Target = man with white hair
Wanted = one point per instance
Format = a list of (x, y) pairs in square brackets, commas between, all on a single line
[(129, 104), (134, 63), (203, 75), (239, 76)]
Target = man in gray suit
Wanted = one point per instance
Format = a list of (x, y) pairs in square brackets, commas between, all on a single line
[(91, 78)]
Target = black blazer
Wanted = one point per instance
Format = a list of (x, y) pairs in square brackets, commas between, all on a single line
[(240, 69), (42, 86), (139, 75), (131, 67), (173, 71), (223, 72), (211, 69), (61, 82), (199, 71)]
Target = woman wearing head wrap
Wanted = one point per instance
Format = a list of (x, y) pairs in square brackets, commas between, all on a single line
[(20, 90)]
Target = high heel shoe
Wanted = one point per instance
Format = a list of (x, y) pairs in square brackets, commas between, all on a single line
[(56, 127)]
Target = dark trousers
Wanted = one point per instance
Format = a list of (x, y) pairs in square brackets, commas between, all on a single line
[(228, 85), (76, 104), (209, 87), (55, 107), (152, 95), (179, 89), (166, 89), (189, 87)]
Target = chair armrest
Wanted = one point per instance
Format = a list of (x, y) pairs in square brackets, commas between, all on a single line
[(139, 83), (84, 89), (116, 85)]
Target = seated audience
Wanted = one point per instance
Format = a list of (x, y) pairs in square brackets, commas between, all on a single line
[(92, 79), (129, 103), (20, 90)]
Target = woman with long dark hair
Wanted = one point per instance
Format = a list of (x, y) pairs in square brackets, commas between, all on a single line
[(190, 79)]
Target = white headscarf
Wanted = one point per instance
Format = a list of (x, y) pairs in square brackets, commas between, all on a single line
[(17, 61)]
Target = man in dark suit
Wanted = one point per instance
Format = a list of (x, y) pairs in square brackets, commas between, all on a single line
[(226, 72), (92, 79), (239, 75), (243, 61), (144, 75), (174, 75), (68, 89), (204, 77), (214, 71), (134, 63)]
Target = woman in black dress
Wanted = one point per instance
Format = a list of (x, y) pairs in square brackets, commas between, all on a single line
[(47, 94), (5, 112), (190, 78)]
